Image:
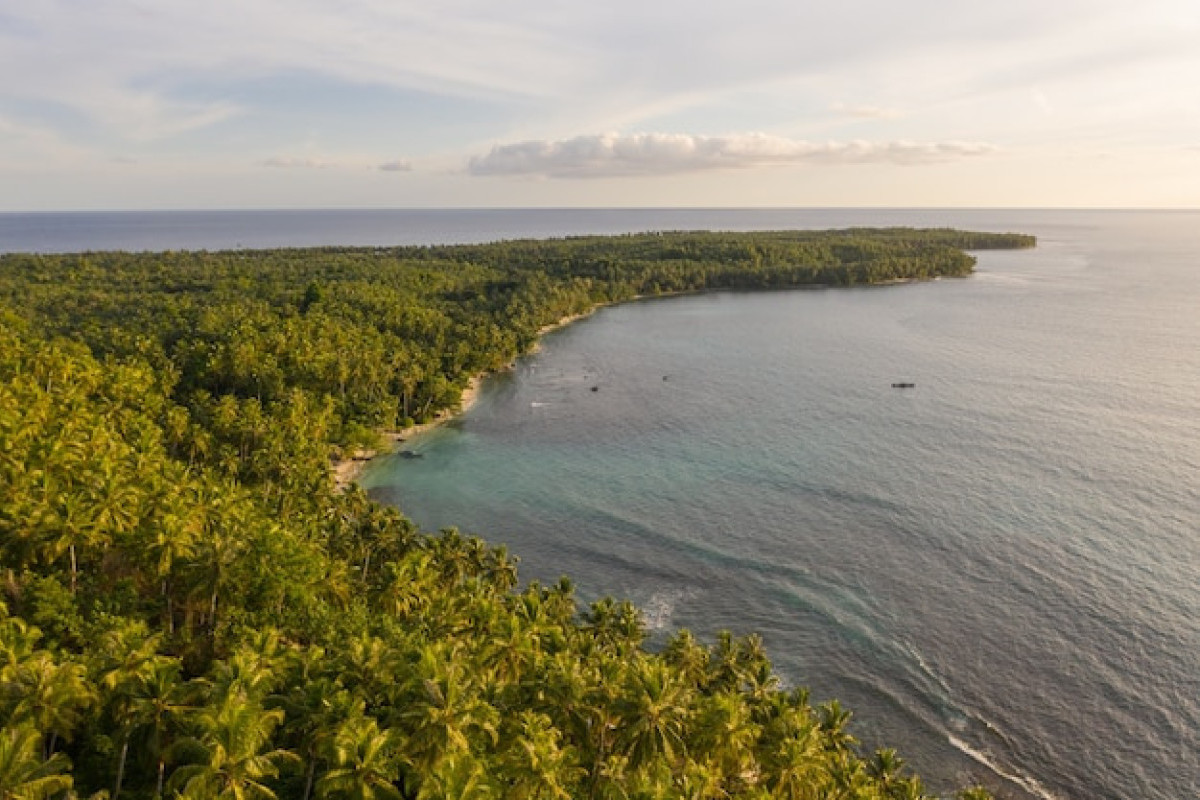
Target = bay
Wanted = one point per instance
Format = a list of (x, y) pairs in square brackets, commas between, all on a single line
[(997, 569)]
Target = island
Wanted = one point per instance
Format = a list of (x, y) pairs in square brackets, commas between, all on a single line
[(192, 608)]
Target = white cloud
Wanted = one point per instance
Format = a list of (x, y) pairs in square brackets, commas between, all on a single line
[(615, 155), (24, 144)]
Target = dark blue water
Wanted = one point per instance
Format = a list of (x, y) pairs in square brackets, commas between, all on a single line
[(998, 570)]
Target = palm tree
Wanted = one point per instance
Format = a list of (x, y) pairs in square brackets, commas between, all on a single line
[(316, 707), (849, 777), (152, 701), (885, 767), (234, 761), (616, 627), (219, 549), (114, 502), (512, 650), (252, 671), (536, 764), (172, 538), (23, 773), (833, 722), (798, 770), (688, 656), (67, 529), (562, 692), (701, 782), (125, 654), (460, 776), (366, 763), (652, 711), (53, 697), (727, 735), (410, 586), (974, 793), (18, 642), (444, 711), (794, 756)]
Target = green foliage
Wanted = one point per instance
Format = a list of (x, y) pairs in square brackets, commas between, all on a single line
[(191, 609)]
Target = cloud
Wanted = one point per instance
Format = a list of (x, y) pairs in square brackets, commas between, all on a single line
[(396, 166), (24, 144), (617, 155), (864, 112)]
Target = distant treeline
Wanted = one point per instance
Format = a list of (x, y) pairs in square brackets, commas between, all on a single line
[(190, 610)]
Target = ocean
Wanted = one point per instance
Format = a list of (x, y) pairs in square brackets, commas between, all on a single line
[(997, 570)]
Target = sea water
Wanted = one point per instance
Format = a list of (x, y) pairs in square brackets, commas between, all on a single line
[(998, 569)]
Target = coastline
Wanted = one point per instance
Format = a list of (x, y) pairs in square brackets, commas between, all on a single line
[(347, 470)]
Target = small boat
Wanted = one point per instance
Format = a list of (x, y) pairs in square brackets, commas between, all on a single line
[(904, 386)]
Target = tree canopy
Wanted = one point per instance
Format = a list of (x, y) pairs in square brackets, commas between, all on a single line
[(191, 610)]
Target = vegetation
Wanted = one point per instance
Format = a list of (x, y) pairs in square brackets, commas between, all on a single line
[(190, 609)]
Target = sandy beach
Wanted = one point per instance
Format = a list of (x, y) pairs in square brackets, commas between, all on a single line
[(346, 471)]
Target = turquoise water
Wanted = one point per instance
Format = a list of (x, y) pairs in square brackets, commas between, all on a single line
[(998, 570)]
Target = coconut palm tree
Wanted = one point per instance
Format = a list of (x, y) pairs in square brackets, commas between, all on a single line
[(535, 764), (833, 720), (126, 654), (53, 697), (152, 701), (652, 713), (974, 793), (688, 656), (366, 763), (24, 775), (886, 768), (442, 711), (726, 735), (67, 529), (798, 771), (460, 776), (316, 707), (233, 760)]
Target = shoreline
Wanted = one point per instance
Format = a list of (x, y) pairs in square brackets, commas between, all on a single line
[(347, 470)]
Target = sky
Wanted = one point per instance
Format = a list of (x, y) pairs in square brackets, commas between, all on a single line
[(148, 104)]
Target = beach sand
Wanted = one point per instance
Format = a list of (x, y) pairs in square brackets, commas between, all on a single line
[(346, 471)]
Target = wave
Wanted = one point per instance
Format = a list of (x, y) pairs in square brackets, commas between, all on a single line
[(660, 608), (1026, 782)]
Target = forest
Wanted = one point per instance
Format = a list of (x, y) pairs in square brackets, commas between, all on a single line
[(189, 608)]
